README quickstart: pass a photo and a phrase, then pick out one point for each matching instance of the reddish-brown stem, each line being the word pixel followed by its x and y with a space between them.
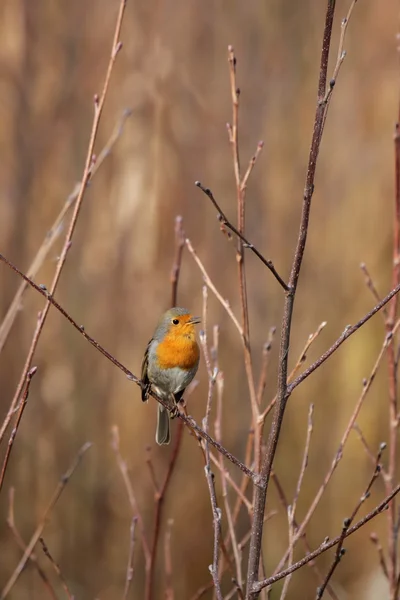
pixel 246 244
pixel 392 378
pixel 282 392
pixel 14 432
pixel 57 569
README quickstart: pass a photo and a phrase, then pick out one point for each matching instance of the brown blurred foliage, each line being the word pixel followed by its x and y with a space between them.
pixel 173 73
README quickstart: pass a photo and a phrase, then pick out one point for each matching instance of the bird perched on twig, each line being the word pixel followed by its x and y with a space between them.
pixel 170 363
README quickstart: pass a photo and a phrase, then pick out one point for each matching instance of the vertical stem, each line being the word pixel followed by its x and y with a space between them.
pixel 282 393
pixel 392 373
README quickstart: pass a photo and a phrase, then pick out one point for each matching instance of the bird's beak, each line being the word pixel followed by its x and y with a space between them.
pixel 194 320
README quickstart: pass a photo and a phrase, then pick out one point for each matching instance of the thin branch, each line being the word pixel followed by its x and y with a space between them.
pixel 291 511
pixel 22 545
pixel 393 531
pixel 340 551
pixel 246 244
pixel 129 569
pixel 348 332
pixel 300 361
pixel 45 517
pixel 375 540
pixel 57 569
pixel 188 420
pixel 282 393
pixel 231 526
pixel 327 544
pixel 217 516
pixel 339 454
pixel 212 287
pixel 307 547
pixel 98 108
pixel 123 467
pixel 371 286
pixel 14 432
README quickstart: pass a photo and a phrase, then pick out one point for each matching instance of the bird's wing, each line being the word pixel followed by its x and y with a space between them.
pixel 144 376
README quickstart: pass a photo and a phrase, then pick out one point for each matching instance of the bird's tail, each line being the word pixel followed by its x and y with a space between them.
pixel 162 431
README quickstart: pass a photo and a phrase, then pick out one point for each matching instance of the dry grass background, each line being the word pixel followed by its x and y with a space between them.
pixel 173 74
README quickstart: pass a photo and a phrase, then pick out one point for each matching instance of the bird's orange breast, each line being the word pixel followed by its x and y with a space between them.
pixel 178 351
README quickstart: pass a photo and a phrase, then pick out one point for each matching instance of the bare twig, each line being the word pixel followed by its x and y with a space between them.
pixel 371 286
pixel 123 467
pixel 292 509
pixel 22 545
pixel 231 526
pixel 339 454
pixel 327 544
pixel 246 244
pixel 340 551
pixel 129 569
pixel 217 516
pixel 57 569
pixel 212 287
pixel 98 109
pixel 282 393
pixel 348 331
pixel 14 432
pixel 375 540
pixel 393 531
pixel 41 525
pixel 300 361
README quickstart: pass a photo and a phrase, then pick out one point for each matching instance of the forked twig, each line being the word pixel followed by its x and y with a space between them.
pixel 246 244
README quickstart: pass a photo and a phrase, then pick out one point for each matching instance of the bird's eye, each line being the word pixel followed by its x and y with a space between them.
pixel 175 321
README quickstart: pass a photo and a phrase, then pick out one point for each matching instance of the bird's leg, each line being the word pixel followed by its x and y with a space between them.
pixel 173 410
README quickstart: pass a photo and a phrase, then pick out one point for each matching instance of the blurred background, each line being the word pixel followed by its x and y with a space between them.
pixel 173 73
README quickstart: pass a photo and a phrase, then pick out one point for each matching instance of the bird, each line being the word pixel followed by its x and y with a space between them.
pixel 170 363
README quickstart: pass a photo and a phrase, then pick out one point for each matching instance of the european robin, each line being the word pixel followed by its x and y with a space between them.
pixel 170 363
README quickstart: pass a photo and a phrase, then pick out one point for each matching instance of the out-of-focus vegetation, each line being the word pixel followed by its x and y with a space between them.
pixel 173 74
